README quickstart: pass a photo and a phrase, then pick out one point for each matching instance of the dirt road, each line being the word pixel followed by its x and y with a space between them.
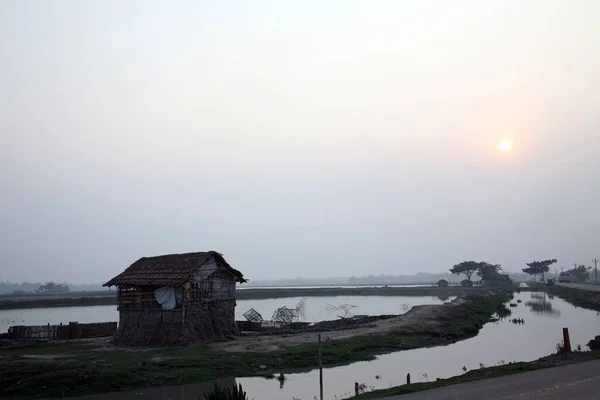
pixel 574 382
pixel 581 286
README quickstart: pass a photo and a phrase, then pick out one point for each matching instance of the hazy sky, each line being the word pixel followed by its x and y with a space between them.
pixel 298 138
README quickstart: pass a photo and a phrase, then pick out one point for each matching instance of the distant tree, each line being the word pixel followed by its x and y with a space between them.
pixel 535 268
pixel 487 267
pixel 468 268
pixel 582 273
pixel 52 287
pixel 7 287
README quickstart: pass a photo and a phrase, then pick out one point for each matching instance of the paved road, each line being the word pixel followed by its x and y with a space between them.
pixel 573 382
pixel 582 286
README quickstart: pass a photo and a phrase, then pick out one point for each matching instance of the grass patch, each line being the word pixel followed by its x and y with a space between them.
pixel 50 348
pixel 86 372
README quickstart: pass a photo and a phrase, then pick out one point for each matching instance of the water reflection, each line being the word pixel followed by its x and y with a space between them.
pixel 542 304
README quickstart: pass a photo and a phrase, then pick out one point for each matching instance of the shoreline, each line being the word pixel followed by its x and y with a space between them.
pixel 256 294
pixel 578 297
pixel 550 361
pixel 83 366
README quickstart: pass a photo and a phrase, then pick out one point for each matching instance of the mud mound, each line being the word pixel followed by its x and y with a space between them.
pixel 347 323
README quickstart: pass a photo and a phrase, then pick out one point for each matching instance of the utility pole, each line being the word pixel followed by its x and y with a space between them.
pixel 595 261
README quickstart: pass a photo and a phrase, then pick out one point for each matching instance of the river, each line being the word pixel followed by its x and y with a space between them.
pixel 499 342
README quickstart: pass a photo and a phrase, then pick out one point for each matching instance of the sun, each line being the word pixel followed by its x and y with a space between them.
pixel 505 145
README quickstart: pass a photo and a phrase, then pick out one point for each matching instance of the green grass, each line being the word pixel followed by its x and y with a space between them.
pixel 50 348
pixel 87 371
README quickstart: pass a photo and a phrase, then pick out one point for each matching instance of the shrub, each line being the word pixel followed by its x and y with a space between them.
pixel 226 393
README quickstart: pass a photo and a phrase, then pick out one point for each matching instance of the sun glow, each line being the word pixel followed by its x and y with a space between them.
pixel 505 145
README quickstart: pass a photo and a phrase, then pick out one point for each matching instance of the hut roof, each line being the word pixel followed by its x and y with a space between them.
pixel 491 275
pixel 169 270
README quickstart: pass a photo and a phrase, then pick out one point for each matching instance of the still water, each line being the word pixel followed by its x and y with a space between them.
pixel 496 343
pixel 315 309
pixel 245 286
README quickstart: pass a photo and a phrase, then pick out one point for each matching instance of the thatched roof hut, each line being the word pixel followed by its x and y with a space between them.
pixel 493 278
pixel 177 298
pixel 466 283
pixel 171 269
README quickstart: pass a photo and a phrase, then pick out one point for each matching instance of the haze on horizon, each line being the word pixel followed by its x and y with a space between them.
pixel 307 138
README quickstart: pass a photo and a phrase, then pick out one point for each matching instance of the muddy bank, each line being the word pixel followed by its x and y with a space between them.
pixel 250 328
pixel 458 319
pixel 95 366
pixel 6 303
pixel 577 297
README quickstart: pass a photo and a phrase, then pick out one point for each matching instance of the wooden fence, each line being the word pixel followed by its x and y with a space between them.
pixel 73 330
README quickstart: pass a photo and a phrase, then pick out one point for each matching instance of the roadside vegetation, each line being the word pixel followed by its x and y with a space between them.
pixel 554 360
pixel 577 297
pixel 235 392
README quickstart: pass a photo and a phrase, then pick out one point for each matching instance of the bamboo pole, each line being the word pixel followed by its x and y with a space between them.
pixel 320 368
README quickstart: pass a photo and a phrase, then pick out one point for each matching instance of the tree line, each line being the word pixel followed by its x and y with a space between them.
pixel 534 268
pixel 468 268
pixel 53 287
pixel 37 287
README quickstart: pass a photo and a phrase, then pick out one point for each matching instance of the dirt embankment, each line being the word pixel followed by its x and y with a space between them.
pixel 577 297
pixel 429 319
